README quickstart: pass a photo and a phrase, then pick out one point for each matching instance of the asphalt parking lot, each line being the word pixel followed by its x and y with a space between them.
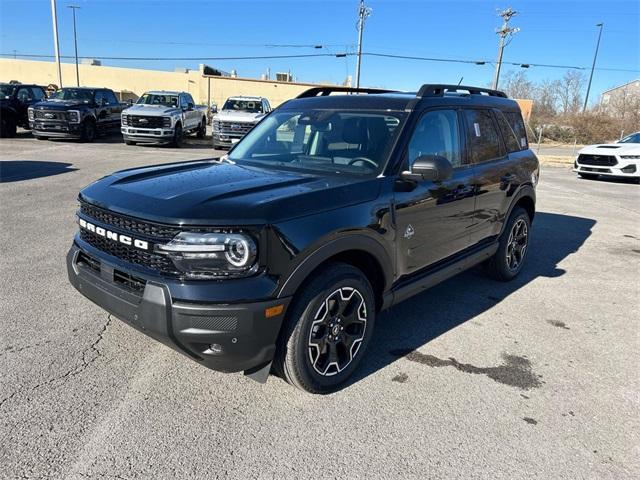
pixel 537 378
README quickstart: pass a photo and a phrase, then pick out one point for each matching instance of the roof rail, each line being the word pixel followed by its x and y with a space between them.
pixel 327 90
pixel 428 90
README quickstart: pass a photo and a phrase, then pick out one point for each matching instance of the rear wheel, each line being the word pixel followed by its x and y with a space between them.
pixel 507 262
pixel 327 329
pixel 88 131
pixel 8 128
pixel 588 176
pixel 202 128
pixel 177 136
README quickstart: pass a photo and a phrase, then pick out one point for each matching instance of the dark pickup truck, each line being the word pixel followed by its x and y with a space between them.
pixel 280 254
pixel 15 99
pixel 81 113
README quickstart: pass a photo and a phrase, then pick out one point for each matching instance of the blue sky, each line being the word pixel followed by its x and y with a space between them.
pixel 552 32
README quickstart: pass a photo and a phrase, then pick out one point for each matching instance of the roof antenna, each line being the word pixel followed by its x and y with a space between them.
pixel 460 81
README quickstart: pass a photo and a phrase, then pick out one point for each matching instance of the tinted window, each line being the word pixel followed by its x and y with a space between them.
pixel 110 97
pixel 24 94
pixel 189 99
pixel 437 133
pixel 483 139
pixel 38 93
pixel 153 99
pixel 517 125
pixel 508 135
pixel 633 138
pixel 99 97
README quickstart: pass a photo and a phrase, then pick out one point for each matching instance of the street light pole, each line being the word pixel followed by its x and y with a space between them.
pixel 75 41
pixel 56 46
pixel 595 56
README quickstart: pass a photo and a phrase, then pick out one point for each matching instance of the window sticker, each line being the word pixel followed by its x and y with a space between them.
pixel 476 127
pixel 523 142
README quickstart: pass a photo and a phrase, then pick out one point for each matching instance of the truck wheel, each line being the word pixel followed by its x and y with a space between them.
pixel 129 142
pixel 8 128
pixel 507 262
pixel 40 138
pixel 327 329
pixel 588 176
pixel 88 131
pixel 177 136
pixel 202 128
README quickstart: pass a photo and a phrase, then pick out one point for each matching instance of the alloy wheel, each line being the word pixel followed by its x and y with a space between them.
pixel 517 244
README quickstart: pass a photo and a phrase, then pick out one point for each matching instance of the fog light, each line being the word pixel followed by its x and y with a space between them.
pixel 629 169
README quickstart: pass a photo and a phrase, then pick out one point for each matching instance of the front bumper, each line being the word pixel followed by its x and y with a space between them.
pixel 56 130
pixel 147 135
pixel 223 337
pixel 623 168
pixel 226 139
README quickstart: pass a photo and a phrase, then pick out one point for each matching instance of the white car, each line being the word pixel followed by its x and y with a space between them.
pixel 620 159
pixel 237 117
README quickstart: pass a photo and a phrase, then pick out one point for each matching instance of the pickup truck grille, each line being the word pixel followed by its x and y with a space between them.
pixel 231 128
pixel 50 115
pixel 600 160
pixel 142 121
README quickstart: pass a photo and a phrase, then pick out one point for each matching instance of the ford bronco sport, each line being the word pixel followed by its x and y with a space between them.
pixel 278 255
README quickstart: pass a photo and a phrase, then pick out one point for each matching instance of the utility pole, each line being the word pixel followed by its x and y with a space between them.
pixel 595 56
pixel 56 46
pixel 75 41
pixel 503 32
pixel 363 14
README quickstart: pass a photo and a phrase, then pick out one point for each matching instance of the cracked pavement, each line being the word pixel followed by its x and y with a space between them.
pixel 473 379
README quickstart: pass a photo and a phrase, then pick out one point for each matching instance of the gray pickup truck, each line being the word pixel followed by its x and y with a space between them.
pixel 237 117
pixel 163 117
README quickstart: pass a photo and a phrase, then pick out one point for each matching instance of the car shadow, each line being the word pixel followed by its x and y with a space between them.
pixel 17 170
pixel 415 322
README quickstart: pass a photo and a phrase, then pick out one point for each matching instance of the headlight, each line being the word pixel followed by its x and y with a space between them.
pixel 123 120
pixel 32 115
pixel 166 122
pixel 73 116
pixel 210 255
pixel 215 125
pixel 630 157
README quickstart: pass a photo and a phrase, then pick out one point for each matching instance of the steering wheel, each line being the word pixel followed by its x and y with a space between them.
pixel 365 160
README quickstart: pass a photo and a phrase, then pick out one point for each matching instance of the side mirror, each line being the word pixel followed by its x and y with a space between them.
pixel 430 167
pixel 190 106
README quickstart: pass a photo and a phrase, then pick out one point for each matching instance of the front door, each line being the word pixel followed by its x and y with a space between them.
pixel 433 218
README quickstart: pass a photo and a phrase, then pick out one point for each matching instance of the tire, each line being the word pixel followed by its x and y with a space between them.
pixel 588 176
pixel 177 136
pixel 202 128
pixel 88 131
pixel 513 247
pixel 8 129
pixel 129 142
pixel 40 138
pixel 327 330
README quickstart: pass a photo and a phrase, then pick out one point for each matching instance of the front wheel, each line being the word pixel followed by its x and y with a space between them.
pixel 507 262
pixel 327 329
pixel 88 131
pixel 129 142
pixel 177 136
pixel 202 128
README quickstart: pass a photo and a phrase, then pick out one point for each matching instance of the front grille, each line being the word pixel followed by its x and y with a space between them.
pixel 141 121
pixel 50 115
pixel 600 160
pixel 152 261
pixel 156 231
pixel 231 128
pixel 129 281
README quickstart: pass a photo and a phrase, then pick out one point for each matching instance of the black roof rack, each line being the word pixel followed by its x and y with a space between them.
pixel 327 90
pixel 428 90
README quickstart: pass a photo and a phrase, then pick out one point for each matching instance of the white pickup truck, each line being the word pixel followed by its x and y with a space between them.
pixel 237 117
pixel 163 117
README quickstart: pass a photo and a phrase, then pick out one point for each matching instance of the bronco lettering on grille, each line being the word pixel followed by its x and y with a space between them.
pixel 116 237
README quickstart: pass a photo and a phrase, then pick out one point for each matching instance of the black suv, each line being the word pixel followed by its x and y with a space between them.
pixel 80 113
pixel 15 99
pixel 280 254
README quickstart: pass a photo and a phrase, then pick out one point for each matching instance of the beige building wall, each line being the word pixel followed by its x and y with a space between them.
pixel 139 81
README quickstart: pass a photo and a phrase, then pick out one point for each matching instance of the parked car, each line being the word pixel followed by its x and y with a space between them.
pixel 15 99
pixel 281 253
pixel 76 112
pixel 163 117
pixel 237 117
pixel 620 159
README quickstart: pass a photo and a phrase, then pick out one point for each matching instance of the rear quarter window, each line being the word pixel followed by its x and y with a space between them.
pixel 517 125
pixel 510 138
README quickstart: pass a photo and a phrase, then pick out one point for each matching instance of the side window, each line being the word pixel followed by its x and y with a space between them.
pixel 99 97
pixel 517 124
pixel 482 137
pixel 183 101
pixel 38 94
pixel 189 99
pixel 508 135
pixel 111 98
pixel 437 133
pixel 24 94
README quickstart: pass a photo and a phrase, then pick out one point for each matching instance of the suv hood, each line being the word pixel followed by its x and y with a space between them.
pixel 238 116
pixel 612 149
pixel 150 110
pixel 59 104
pixel 223 194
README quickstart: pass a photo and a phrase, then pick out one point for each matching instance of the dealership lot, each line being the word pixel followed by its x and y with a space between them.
pixel 532 379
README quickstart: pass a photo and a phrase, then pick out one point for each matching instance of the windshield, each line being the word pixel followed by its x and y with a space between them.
pixel 155 99
pixel 633 138
pixel 6 91
pixel 78 94
pixel 251 106
pixel 356 142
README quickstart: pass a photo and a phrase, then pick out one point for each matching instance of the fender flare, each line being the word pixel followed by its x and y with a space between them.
pixel 329 249
pixel 525 191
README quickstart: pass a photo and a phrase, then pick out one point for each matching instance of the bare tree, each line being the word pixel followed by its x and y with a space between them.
pixel 545 98
pixel 517 85
pixel 569 89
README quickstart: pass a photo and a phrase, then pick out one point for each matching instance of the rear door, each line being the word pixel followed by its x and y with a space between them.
pixel 103 113
pixel 433 218
pixel 114 109
pixel 496 172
